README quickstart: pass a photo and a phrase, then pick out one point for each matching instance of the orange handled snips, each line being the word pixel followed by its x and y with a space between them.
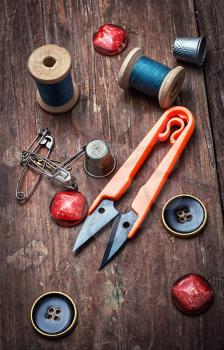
pixel 126 225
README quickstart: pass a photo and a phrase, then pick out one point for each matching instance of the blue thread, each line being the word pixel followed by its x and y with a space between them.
pixel 56 94
pixel 147 76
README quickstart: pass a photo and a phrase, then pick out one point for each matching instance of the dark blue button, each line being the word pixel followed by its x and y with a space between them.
pixel 184 216
pixel 53 314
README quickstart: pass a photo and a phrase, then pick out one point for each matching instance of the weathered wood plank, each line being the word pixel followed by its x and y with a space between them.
pixel 210 23
pixel 127 305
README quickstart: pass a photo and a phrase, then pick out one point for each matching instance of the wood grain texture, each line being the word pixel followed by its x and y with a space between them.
pixel 127 305
pixel 210 24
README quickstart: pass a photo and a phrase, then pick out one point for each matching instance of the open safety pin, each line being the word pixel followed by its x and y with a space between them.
pixel 43 139
pixel 126 224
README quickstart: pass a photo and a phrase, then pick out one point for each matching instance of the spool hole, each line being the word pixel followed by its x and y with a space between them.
pixel 101 210
pixel 49 61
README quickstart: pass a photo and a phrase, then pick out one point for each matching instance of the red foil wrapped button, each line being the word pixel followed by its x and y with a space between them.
pixel 110 39
pixel 192 294
pixel 68 208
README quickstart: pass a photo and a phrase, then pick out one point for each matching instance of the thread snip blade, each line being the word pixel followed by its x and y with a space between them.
pixel 122 225
pixel 102 215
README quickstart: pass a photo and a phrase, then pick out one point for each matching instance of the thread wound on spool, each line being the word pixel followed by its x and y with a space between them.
pixel 52 94
pixel 147 76
pixel 151 77
pixel 50 66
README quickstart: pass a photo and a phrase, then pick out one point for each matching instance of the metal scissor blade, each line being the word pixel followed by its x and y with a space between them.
pixel 101 216
pixel 119 234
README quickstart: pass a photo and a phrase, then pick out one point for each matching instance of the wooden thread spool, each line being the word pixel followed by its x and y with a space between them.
pixel 170 86
pixel 50 66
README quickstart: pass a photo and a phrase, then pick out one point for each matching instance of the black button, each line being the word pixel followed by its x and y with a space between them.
pixel 53 314
pixel 184 216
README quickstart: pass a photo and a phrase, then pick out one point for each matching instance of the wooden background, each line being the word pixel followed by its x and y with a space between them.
pixel 127 305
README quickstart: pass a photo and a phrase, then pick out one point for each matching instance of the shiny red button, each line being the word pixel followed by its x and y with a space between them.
pixel 192 294
pixel 110 39
pixel 68 208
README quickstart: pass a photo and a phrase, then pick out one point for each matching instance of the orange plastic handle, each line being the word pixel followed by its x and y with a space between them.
pixel 121 181
pixel 148 192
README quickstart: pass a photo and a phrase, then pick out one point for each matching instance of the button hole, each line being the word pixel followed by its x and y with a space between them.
pixel 182 219
pixel 189 217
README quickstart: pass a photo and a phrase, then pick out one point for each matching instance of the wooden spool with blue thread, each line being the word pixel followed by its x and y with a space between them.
pixel 50 66
pixel 166 89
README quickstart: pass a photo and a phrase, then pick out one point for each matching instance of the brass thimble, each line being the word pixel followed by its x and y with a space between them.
pixel 99 162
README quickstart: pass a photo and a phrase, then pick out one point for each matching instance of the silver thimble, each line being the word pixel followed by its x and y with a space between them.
pixel 191 50
pixel 99 161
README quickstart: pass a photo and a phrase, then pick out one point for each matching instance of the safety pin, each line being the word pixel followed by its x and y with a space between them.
pixel 43 139
pixel 38 161
pixel 63 176
pixel 70 160
pixel 53 170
